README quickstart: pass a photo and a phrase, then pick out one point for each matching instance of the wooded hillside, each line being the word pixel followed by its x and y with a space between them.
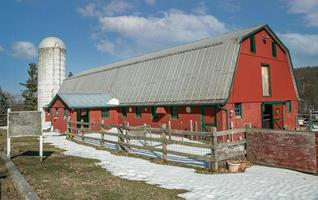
pixel 307 82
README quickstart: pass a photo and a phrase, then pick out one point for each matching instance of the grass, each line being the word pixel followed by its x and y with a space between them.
pixel 67 177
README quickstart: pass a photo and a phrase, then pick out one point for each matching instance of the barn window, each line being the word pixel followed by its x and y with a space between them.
pixel 124 111
pixel 64 113
pixel 105 113
pixel 274 49
pixel 56 112
pixel 289 106
pixel 238 110
pixel 174 112
pixel 153 112
pixel 252 44
pixel 266 85
pixel 138 112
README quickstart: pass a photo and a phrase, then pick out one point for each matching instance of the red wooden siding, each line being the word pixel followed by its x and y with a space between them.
pixel 59 123
pixel 247 83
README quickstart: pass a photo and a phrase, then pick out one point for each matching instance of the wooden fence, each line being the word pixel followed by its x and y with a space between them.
pixel 165 141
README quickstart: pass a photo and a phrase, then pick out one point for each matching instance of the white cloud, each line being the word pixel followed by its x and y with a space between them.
pixel 303 48
pixel 150 2
pixel 99 10
pixel 149 33
pixel 308 8
pixel 116 7
pixel 1 49
pixel 23 49
pixel 106 46
pixel 88 11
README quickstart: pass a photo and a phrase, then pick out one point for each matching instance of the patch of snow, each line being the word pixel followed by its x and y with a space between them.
pixel 113 101
pixel 258 182
pixel 46 125
pixel 143 152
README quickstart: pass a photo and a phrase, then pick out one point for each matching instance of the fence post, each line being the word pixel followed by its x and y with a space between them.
pixel 191 129
pixel 41 146
pixel 102 139
pixel 127 137
pixel 145 135
pixel 82 129
pixel 169 127
pixel 68 125
pixel 214 165
pixel 102 134
pixel 120 138
pixel 8 136
pixel 164 145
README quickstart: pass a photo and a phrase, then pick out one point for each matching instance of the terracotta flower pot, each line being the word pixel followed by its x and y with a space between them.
pixel 243 165
pixel 233 166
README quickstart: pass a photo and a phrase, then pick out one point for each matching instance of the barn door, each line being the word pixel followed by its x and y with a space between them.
pixel 208 118
pixel 278 119
pixel 82 114
pixel 267 116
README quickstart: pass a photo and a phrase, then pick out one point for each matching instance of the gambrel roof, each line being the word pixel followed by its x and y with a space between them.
pixel 196 73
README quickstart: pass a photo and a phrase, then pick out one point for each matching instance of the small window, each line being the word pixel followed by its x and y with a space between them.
pixel 252 44
pixel 153 112
pixel 105 113
pixel 289 106
pixel 138 112
pixel 174 112
pixel 56 112
pixel 274 49
pixel 238 110
pixel 64 113
pixel 124 111
pixel 266 84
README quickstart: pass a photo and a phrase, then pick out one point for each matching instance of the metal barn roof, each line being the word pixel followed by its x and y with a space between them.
pixel 85 100
pixel 197 73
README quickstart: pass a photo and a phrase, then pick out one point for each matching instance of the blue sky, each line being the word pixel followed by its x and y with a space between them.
pixel 99 32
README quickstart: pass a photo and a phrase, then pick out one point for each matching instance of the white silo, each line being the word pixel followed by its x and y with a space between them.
pixel 51 70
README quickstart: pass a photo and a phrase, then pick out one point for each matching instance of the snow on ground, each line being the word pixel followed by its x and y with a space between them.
pixel 143 152
pixel 156 154
pixel 258 182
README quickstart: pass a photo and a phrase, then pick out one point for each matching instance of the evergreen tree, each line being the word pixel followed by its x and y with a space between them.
pixel 31 87
pixel 70 74
pixel 4 105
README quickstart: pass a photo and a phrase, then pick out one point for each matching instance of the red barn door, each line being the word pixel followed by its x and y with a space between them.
pixel 278 118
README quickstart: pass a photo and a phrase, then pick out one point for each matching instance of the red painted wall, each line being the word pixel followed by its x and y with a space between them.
pixel 247 84
pixel 183 122
pixel 59 123
pixel 95 116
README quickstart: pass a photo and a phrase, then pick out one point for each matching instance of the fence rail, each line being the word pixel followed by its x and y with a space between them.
pixel 210 148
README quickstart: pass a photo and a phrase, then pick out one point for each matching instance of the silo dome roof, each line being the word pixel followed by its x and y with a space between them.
pixel 50 42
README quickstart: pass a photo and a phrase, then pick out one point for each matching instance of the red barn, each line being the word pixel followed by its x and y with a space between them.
pixel 224 82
